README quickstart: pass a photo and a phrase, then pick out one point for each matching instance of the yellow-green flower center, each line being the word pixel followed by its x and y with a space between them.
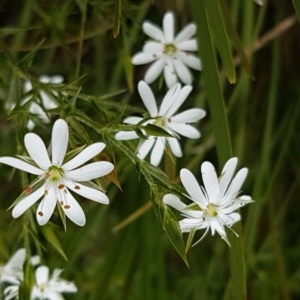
pixel 169 49
pixel 211 210
pixel 54 173
pixel 159 121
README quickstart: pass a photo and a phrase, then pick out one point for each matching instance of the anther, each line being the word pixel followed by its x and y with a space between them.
pixel 40 213
pixel 67 206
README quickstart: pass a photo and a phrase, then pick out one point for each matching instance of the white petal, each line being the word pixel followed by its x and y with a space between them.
pixel 142 58
pixel 183 94
pixel 84 156
pixel 169 74
pixel 21 165
pixel 73 210
pixel 168 27
pixel 185 130
pixel 17 260
pixel 42 275
pixel 186 33
pixel 174 201
pixel 91 171
pixel 192 187
pixel 190 45
pixel 153 48
pixel 182 71
pixel 87 192
pixel 37 150
pixel 154 70
pixel 236 184
pixel 126 135
pixel 169 99
pixel 190 60
pixel 211 182
pixel 189 116
pixel 148 98
pixel 47 206
pixel 227 173
pixel 60 138
pixel 158 151
pixel 145 147
pixel 153 31
pixel 186 225
pixel 215 226
pixel 27 201
pixel 132 120
pixel 175 146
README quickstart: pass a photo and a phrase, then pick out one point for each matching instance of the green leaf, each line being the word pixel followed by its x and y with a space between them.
pixel 117 18
pixel 51 237
pixel 218 28
pixel 297 8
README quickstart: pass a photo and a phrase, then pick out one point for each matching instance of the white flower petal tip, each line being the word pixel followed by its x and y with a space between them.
pixel 56 178
pixel 214 206
pixel 168 53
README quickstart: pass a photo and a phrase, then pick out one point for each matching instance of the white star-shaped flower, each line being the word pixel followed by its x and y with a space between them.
pixel 46 101
pixel 57 178
pixel 215 205
pixel 50 288
pixel 168 53
pixel 12 271
pixel 165 118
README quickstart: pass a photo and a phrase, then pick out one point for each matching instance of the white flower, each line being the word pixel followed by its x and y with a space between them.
pixel 214 205
pixel 46 101
pixel 57 177
pixel 12 271
pixel 165 118
pixel 169 53
pixel 50 288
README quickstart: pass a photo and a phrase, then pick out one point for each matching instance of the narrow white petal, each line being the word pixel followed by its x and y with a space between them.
pixel 126 135
pixel 211 182
pixel 174 201
pixel 184 92
pixel 168 27
pixel 27 202
pixel 216 226
pixel 190 60
pixel 153 31
pixel 37 150
pixel 169 74
pixel 87 192
pixel 132 120
pixel 175 146
pixel 227 173
pixel 154 70
pixel 185 130
pixel 91 171
pixel 42 275
pixel 148 98
pixel 189 116
pixel 73 210
pixel 158 151
pixel 17 260
pixel 236 184
pixel 142 58
pixel 169 99
pixel 182 71
pixel 46 206
pixel 192 187
pixel 84 156
pixel 153 48
pixel 60 138
pixel 186 225
pixel 186 33
pixel 145 147
pixel 21 165
pixel 190 45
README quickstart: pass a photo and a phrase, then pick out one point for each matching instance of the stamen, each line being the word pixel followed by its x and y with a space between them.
pixel 61 186
pixel 40 213
pixel 77 187
pixel 27 190
pixel 67 206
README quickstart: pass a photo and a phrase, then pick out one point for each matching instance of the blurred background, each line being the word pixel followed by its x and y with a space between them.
pixel 123 252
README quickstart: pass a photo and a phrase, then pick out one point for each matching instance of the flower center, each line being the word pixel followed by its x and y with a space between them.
pixel 169 49
pixel 211 210
pixel 159 121
pixel 54 173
